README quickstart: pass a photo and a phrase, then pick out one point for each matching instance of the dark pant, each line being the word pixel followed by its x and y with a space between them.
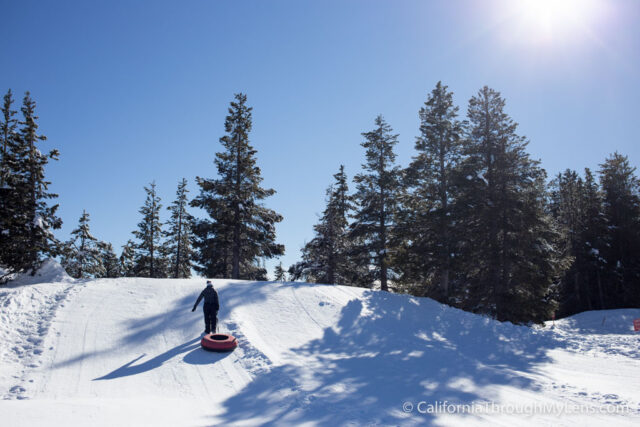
pixel 210 318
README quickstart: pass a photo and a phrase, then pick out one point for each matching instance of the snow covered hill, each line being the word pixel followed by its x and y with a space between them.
pixel 126 352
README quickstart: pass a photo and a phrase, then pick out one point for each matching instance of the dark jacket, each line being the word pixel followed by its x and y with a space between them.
pixel 210 298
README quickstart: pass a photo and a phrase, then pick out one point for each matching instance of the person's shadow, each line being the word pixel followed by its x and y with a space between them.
pixel 197 356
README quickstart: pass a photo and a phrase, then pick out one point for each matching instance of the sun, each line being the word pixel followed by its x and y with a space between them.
pixel 551 19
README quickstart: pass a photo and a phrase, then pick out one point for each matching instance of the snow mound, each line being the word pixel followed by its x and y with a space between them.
pixel 618 321
pixel 49 272
pixel 599 333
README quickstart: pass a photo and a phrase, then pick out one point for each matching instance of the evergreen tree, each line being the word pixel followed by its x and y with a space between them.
pixel 212 243
pixel 298 271
pixel 8 126
pixel 110 262
pixel 326 258
pixel 566 200
pixel 279 273
pixel 576 204
pixel 376 196
pixel 621 191
pixel 428 211
pixel 510 245
pixel 596 240
pixel 127 259
pixel 240 230
pixel 82 256
pixel 178 243
pixel 149 261
pixel 27 220
pixel 8 200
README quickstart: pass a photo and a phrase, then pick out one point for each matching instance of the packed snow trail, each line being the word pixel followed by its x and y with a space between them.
pixel 127 352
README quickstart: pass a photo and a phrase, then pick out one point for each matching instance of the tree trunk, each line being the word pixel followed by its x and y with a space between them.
pixel 600 293
pixel 179 242
pixel 444 283
pixel 383 252
pixel 383 233
pixel 235 269
pixel 331 259
pixel 81 272
pixel 32 185
pixel 151 248
pixel 587 290
pixel 5 140
pixel 576 289
pixel 331 270
pixel 446 259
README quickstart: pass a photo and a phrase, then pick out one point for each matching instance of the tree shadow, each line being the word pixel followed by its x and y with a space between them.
pixel 178 316
pixel 389 349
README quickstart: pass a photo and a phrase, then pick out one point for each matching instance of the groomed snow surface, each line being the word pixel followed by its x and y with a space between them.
pixel 117 352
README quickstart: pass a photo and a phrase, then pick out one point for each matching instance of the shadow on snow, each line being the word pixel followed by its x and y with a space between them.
pixel 179 319
pixel 389 349
pixel 196 356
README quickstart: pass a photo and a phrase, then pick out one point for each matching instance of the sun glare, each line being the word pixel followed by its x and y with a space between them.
pixel 551 19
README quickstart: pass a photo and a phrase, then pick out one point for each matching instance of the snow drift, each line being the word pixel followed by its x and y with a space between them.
pixel 127 351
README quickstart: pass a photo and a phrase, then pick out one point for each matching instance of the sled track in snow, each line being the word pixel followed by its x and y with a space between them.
pixel 302 306
pixel 246 354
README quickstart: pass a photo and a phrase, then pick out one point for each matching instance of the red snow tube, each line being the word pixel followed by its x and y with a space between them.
pixel 219 342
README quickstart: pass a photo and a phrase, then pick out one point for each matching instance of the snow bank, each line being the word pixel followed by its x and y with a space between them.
pixel 28 305
pixel 49 272
pixel 618 321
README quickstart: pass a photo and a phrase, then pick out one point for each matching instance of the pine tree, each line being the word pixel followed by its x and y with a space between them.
pixel 240 230
pixel 27 218
pixel 326 258
pixel 8 201
pixel 566 199
pixel 127 259
pixel 110 262
pixel 576 204
pixel 83 258
pixel 279 273
pixel 179 235
pixel 621 190
pixel 149 261
pixel 8 126
pixel 510 245
pixel 428 211
pixel 377 198
pixel 596 239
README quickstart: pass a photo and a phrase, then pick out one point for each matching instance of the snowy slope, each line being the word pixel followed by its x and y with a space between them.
pixel 126 352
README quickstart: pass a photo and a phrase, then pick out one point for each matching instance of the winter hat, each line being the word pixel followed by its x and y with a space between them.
pixel 209 283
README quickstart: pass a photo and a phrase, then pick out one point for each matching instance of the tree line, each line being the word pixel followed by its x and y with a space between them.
pixel 473 222
pixel 237 233
pixel 26 218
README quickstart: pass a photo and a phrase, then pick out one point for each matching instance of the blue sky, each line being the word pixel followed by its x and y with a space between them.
pixel 135 91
